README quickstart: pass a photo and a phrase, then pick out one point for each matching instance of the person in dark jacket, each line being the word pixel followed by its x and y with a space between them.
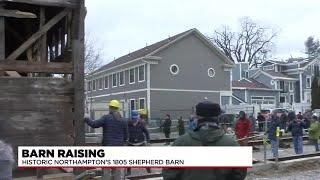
pixel 207 133
pixel 273 124
pixel 167 127
pixel 180 126
pixel 291 116
pixel 261 121
pixel 299 116
pixel 283 121
pixel 115 132
pixel 242 129
pixel 296 128
pixel 138 134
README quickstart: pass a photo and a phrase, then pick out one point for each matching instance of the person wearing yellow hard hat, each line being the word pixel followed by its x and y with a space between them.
pixel 115 132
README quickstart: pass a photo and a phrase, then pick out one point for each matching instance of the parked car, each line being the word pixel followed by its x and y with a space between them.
pixel 280 111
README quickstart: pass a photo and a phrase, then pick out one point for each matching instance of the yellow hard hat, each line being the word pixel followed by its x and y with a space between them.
pixel 142 111
pixel 114 103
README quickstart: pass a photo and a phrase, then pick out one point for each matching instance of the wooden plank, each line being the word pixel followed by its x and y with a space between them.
pixel 60 3
pixel 37 35
pixel 39 102
pixel 27 66
pixel 37 85
pixel 13 73
pixel 43 40
pixel 18 124
pixel 2 41
pixel 16 14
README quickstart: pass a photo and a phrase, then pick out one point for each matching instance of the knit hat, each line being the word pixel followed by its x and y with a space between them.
pixel 208 109
pixel 134 115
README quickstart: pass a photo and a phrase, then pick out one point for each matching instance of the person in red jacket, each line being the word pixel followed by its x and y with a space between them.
pixel 242 129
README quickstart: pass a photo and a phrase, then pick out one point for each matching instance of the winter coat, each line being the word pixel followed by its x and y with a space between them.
pixel 261 118
pixel 296 128
pixel 242 128
pixel 115 132
pixel 138 133
pixel 166 125
pixel 273 123
pixel 180 127
pixel 212 136
pixel 314 130
pixel 291 116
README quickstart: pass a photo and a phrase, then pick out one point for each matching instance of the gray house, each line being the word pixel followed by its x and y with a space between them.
pixel 286 83
pixel 170 76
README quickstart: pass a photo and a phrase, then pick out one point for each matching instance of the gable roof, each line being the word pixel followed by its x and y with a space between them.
pixel 273 75
pixel 158 46
pixel 249 83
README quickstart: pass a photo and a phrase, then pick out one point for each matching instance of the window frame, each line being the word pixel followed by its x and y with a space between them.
pixel 134 100
pixel 308 85
pixel 134 75
pixel 106 77
pixel 124 79
pixel 144 73
pixel 94 85
pixel 100 82
pixel 144 103
pixel 116 80
pixel 178 69
pixel 291 85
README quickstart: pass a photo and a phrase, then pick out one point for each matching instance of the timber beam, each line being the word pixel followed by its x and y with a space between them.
pixel 32 67
pixel 44 29
pixel 16 14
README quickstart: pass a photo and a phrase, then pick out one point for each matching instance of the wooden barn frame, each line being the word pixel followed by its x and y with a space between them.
pixel 42 72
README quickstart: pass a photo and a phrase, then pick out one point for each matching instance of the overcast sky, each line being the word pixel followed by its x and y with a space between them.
pixel 123 26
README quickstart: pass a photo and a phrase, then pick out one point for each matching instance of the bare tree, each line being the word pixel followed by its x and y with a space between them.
pixel 93 55
pixel 251 44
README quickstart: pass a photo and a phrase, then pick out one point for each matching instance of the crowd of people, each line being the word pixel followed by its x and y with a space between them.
pixel 203 129
pixel 275 124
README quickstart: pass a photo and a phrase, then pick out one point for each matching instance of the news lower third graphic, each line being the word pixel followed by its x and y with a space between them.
pixel 161 157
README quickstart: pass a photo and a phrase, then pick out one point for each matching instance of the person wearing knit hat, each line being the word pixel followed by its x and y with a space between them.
pixel 207 133
pixel 138 134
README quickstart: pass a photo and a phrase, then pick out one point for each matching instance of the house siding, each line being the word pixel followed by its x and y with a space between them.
pixel 265 80
pixel 177 103
pixel 125 87
pixel 193 59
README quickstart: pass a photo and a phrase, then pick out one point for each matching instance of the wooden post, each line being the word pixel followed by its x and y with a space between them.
pixel 78 75
pixel 2 40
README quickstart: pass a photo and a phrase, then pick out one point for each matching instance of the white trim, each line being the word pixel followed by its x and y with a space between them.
pixel 240 71
pixel 262 89
pixel 117 93
pixel 148 89
pixel 174 73
pixel 99 72
pixel 214 72
pixel 184 90
pixel 134 75
pixel 116 74
pixel 144 73
pixel 246 96
pixel 300 76
pixel 124 78
pixel 107 76
pixel 226 93
pixel 144 105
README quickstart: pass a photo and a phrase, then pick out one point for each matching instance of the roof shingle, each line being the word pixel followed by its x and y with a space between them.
pixel 249 84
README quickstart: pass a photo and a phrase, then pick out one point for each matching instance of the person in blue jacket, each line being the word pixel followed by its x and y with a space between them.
pixel 138 134
pixel 115 133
